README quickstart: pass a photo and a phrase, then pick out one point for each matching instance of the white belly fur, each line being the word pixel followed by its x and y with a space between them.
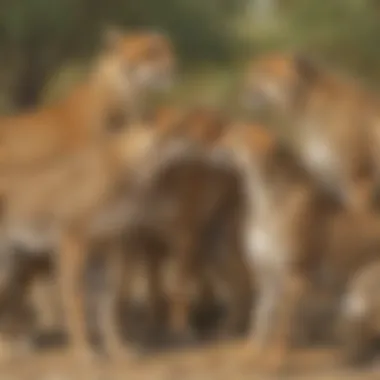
pixel 263 233
pixel 320 157
pixel 265 244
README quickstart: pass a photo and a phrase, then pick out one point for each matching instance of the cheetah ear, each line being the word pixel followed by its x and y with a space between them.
pixel 306 68
pixel 111 38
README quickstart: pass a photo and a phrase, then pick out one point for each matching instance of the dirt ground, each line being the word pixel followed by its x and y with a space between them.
pixel 212 362
pixel 203 361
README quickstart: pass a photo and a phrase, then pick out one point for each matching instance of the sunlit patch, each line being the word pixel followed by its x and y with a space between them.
pixel 319 154
pixel 355 306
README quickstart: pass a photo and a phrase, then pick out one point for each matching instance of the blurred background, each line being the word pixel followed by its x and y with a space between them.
pixel 45 45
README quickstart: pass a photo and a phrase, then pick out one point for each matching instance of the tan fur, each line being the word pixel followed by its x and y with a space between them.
pixel 209 120
pixel 328 119
pixel 360 314
pixel 17 311
pixel 193 211
pixel 194 194
pixel 46 143
pixel 65 207
pixel 200 124
pixel 352 242
pixel 27 206
pixel 126 67
pixel 282 233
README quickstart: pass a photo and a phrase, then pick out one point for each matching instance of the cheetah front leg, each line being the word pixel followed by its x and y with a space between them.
pixel 293 288
pixel 279 294
pixel 182 290
pixel 117 276
pixel 72 257
pixel 269 293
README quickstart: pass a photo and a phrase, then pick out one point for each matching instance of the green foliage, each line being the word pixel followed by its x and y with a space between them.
pixel 198 27
pixel 343 31
pixel 38 36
